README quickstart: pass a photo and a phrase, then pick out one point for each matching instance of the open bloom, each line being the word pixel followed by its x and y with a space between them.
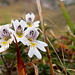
pixel 35 44
pixel 19 32
pixel 30 20
pixel 6 37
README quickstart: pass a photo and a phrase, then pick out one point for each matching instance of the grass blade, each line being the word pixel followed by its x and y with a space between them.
pixel 66 16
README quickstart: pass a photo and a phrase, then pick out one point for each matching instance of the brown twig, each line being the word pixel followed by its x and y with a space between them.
pixel 63 60
pixel 20 62
pixel 64 69
pixel 43 29
pixel 35 67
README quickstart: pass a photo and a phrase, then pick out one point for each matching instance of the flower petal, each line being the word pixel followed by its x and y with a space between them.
pixel 1 40
pixel 2 49
pixel 11 40
pixel 30 53
pixel 8 25
pixel 25 41
pixel 6 46
pixel 36 24
pixel 37 53
pixel 23 24
pixel 32 16
pixel 18 39
pixel 27 31
pixel 41 45
pixel 15 23
pixel 34 51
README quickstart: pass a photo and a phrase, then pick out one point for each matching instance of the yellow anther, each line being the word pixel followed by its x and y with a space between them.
pixel 33 44
pixel 20 36
pixel 29 25
pixel 30 39
pixel 5 42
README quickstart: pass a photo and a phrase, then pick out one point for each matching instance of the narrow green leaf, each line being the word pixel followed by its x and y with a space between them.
pixel 66 16
pixel 1 63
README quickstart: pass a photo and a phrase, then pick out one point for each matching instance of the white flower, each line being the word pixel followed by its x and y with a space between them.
pixel 30 20
pixel 6 37
pixel 32 33
pixel 35 44
pixel 19 32
pixel 8 25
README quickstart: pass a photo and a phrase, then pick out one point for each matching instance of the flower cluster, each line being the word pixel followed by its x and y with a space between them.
pixel 25 31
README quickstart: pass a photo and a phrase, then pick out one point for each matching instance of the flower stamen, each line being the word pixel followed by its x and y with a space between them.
pixel 19 31
pixel 7 38
pixel 4 31
pixel 29 25
pixel 33 44
pixel 30 39
pixel 5 42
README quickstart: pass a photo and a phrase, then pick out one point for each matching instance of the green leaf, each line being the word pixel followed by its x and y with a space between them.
pixel 66 16
pixel 1 63
pixel 9 56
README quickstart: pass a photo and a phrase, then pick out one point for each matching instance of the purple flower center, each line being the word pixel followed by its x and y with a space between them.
pixel 5 34
pixel 5 31
pixel 29 20
pixel 19 30
pixel 19 27
pixel 32 33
